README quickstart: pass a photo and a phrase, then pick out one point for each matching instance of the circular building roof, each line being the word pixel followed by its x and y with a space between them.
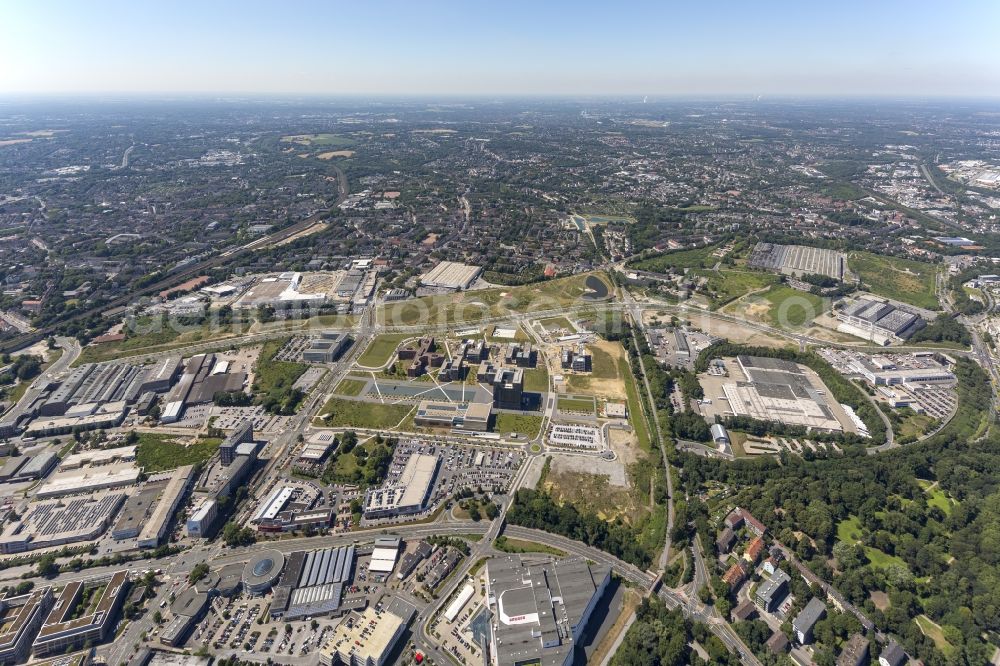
pixel 263 567
pixel 262 571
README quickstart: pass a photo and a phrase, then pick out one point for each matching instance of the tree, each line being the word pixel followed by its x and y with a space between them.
pixel 47 567
pixel 234 535
pixel 199 571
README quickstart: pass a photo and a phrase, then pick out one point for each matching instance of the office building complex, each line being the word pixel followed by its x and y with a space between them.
pixel 64 630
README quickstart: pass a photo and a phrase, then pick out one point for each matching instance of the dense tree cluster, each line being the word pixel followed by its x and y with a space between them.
pixel 22 367
pixel 948 565
pixel 662 636
pixel 943 329
pixel 372 460
pixel 537 509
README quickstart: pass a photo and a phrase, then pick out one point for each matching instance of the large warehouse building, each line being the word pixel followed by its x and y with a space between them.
pixel 57 522
pixel 878 321
pixel 777 390
pixel 798 260
pixel 450 275
pixel 540 611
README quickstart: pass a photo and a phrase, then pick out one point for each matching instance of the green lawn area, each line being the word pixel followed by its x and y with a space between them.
pixel 535 379
pixel 350 387
pixel 845 191
pixel 635 414
pixel 555 323
pixel 509 545
pixel 940 499
pixel 273 380
pixel 161 336
pixel 381 349
pixel 17 391
pixel 341 413
pixel 915 425
pixel 894 277
pixel 726 285
pixel 472 306
pixel 602 366
pixel 157 453
pixel 935 633
pixel 576 403
pixel 850 531
pixel 700 257
pixel 881 560
pixel 344 466
pixel 527 425
pixel 791 307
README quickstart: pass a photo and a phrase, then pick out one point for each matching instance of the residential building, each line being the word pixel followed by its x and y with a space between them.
pixel 807 618
pixel 855 652
pixel 771 591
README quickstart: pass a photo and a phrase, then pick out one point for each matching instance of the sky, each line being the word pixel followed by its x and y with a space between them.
pixel 914 48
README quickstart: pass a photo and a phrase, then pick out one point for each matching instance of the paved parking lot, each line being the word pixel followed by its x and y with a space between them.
pixel 462 467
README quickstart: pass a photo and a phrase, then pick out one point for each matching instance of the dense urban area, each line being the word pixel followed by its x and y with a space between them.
pixel 499 382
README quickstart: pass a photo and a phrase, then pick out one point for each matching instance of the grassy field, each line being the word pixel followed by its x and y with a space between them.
pixel 527 425
pixel 381 349
pixel 350 387
pixel 340 413
pixel 157 453
pixel 700 257
pixel 636 416
pixel 608 218
pixel 603 367
pixel 791 307
pixel 573 403
pixel 940 499
pixel 935 633
pixel 470 307
pixel 509 545
pixel 724 286
pixel 535 379
pixel 915 425
pixel 845 191
pixel 602 364
pixel 893 277
pixel 555 323
pixel 850 531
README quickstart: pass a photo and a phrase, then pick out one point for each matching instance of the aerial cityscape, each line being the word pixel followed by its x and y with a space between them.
pixel 312 354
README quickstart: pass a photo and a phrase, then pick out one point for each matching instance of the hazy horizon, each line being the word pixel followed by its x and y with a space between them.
pixel 450 49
